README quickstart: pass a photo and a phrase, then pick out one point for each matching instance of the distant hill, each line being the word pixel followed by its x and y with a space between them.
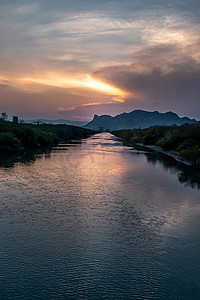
pixel 136 119
pixel 55 122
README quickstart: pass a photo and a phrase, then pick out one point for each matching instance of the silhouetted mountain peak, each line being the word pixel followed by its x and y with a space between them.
pixel 136 119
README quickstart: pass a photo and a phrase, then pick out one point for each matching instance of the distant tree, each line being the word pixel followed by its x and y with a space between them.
pixel 4 116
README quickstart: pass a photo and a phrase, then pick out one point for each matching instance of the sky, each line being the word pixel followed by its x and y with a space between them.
pixel 71 59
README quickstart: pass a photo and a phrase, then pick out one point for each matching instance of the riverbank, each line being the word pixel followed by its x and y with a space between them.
pixel 180 142
pixel 16 137
pixel 173 154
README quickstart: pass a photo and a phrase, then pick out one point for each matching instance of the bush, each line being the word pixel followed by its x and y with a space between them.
pixel 8 142
pixel 170 141
pixel 191 132
pixel 45 138
pixel 135 139
pixel 192 154
pixel 188 144
pixel 27 137
pixel 148 139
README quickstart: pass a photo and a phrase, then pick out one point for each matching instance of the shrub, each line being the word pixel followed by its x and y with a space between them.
pixel 170 141
pixel 188 144
pixel 135 139
pixel 27 137
pixel 45 138
pixel 8 142
pixel 192 154
pixel 148 139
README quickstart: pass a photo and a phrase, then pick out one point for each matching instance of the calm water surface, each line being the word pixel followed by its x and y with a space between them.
pixel 98 220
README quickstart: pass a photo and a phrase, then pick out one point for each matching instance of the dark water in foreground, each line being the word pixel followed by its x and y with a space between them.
pixel 98 220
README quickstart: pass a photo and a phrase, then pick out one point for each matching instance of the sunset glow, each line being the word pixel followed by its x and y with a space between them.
pixel 63 82
pixel 118 56
pixel 101 86
pixel 87 83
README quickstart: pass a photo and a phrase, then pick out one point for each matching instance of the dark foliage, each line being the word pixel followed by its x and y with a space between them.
pixel 184 139
pixel 14 137
pixel 8 142
pixel 27 137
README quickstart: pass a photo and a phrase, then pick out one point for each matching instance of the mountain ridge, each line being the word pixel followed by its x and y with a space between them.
pixel 136 119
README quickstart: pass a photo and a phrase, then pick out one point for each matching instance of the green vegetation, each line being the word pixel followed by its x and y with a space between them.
pixel 183 139
pixel 8 142
pixel 14 136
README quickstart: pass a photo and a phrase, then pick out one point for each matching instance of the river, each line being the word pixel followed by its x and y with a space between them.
pixel 94 219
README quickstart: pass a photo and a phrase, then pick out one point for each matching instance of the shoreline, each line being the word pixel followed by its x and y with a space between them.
pixel 171 153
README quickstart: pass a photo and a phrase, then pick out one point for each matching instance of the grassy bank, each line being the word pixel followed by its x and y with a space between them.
pixel 184 140
pixel 15 137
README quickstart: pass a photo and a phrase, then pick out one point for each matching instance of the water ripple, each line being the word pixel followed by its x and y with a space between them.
pixel 96 220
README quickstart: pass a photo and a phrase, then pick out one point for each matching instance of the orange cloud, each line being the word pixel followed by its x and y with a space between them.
pixel 92 103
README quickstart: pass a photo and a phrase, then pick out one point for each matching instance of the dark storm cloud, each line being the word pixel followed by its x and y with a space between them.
pixel 164 76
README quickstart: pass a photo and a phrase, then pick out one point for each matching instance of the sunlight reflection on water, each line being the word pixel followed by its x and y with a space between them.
pixel 97 220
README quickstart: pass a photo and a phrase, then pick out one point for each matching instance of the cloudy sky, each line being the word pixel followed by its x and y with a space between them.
pixel 74 58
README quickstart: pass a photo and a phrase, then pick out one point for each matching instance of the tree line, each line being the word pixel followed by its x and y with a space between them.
pixel 183 139
pixel 15 137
